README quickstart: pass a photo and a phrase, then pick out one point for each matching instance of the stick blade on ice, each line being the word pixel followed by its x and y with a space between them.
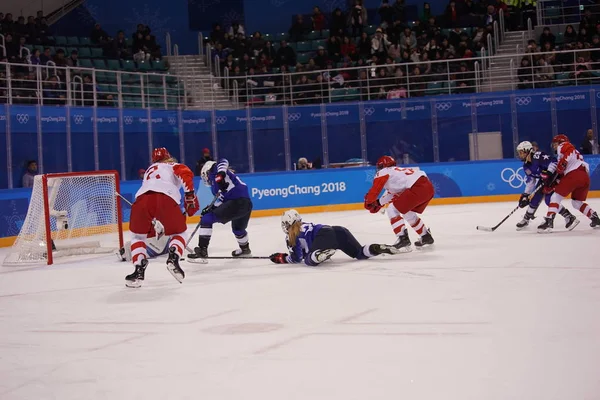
pixel 485 229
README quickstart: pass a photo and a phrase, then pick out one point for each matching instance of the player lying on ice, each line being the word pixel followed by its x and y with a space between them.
pixel 233 205
pixel 570 175
pixel 536 164
pixel 408 192
pixel 314 243
pixel 158 200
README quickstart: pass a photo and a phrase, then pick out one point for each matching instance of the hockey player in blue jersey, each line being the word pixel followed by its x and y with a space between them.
pixel 535 165
pixel 233 205
pixel 313 244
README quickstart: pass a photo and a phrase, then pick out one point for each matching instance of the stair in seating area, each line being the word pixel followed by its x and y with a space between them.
pixel 204 91
pixel 499 77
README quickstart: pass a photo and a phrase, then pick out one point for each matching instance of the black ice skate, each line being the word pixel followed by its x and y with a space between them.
pixel 243 251
pixel 202 250
pixel 524 223
pixel 425 240
pixel 377 249
pixel 570 220
pixel 547 226
pixel 595 221
pixel 403 243
pixel 135 279
pixel 173 265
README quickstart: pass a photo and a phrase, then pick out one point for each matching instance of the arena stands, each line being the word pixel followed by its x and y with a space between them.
pixel 41 68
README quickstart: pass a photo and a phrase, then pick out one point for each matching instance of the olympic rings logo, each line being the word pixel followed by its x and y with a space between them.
pixel 443 106
pixel 78 119
pixel 221 120
pixel 23 118
pixel 514 178
pixel 128 119
pixel 523 101
pixel 369 111
pixel 293 117
pixel 172 120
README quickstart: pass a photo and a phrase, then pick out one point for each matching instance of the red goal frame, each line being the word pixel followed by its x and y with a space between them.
pixel 45 178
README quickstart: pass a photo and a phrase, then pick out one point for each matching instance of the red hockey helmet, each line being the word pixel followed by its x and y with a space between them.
pixel 385 161
pixel 159 154
pixel 558 139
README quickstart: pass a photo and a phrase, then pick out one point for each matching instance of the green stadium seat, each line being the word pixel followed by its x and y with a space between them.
pixel 104 88
pixel 60 40
pixel 129 42
pixel 85 63
pixel 303 58
pixel 85 52
pixel 143 66
pixel 159 65
pixel 325 33
pixel 276 70
pixel 73 41
pixel 352 94
pixel 97 52
pixel 313 35
pixel 338 94
pixel 562 78
pixel 268 37
pixel 99 64
pixel 40 48
pixel 155 78
pixel 128 65
pixel 110 77
pixel 316 43
pixel 434 88
pixel 294 46
pixel 171 79
pixel 85 41
pixel 292 69
pixel 113 65
pixel 371 29
pixel 303 46
pixel 560 38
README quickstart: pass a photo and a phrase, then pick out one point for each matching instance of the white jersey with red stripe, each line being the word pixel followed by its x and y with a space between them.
pixel 394 180
pixel 568 159
pixel 167 178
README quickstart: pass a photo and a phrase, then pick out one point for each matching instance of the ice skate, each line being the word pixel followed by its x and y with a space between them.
pixel 595 221
pixel 324 255
pixel 202 250
pixel 135 279
pixel 547 226
pixel 173 265
pixel 524 223
pixel 377 249
pixel 403 243
pixel 243 251
pixel 425 240
pixel 570 220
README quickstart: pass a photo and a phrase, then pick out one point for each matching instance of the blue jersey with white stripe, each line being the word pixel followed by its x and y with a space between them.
pixel 540 162
pixel 236 189
pixel 300 249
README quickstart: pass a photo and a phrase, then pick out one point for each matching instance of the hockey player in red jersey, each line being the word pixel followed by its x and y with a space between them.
pixel 408 192
pixel 158 200
pixel 570 175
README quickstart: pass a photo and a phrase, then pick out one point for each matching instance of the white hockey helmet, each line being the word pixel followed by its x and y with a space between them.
pixel 525 147
pixel 289 218
pixel 205 171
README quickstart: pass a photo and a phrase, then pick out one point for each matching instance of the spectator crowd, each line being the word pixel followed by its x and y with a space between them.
pixel 399 58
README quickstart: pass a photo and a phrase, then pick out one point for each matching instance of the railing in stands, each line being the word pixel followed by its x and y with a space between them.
pixel 200 44
pixel 529 29
pixel 168 44
pixel 502 24
pixel 552 12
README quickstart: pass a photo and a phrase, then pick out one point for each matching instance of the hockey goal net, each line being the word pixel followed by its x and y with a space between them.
pixel 69 214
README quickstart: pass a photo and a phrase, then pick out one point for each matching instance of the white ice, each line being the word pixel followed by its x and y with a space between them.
pixel 502 315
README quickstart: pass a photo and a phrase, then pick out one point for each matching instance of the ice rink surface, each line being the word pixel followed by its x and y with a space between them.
pixel 502 315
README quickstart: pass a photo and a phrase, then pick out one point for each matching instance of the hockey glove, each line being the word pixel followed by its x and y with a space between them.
pixel 524 200
pixel 207 209
pixel 374 207
pixel 549 180
pixel 221 181
pixel 279 258
pixel 191 203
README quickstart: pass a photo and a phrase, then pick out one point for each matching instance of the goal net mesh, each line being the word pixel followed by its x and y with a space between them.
pixel 83 218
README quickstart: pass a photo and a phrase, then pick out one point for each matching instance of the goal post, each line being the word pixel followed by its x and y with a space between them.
pixel 75 213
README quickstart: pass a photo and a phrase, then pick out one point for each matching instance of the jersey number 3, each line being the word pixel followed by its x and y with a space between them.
pixel 151 172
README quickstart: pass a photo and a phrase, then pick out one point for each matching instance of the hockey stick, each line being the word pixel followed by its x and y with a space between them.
pixel 492 229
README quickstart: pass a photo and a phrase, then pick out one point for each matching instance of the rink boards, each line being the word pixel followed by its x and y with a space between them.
pixel 331 189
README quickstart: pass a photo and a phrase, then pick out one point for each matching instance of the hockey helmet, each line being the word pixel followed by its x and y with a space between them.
pixel 524 147
pixel 204 174
pixel 159 154
pixel 385 161
pixel 289 218
pixel 558 139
